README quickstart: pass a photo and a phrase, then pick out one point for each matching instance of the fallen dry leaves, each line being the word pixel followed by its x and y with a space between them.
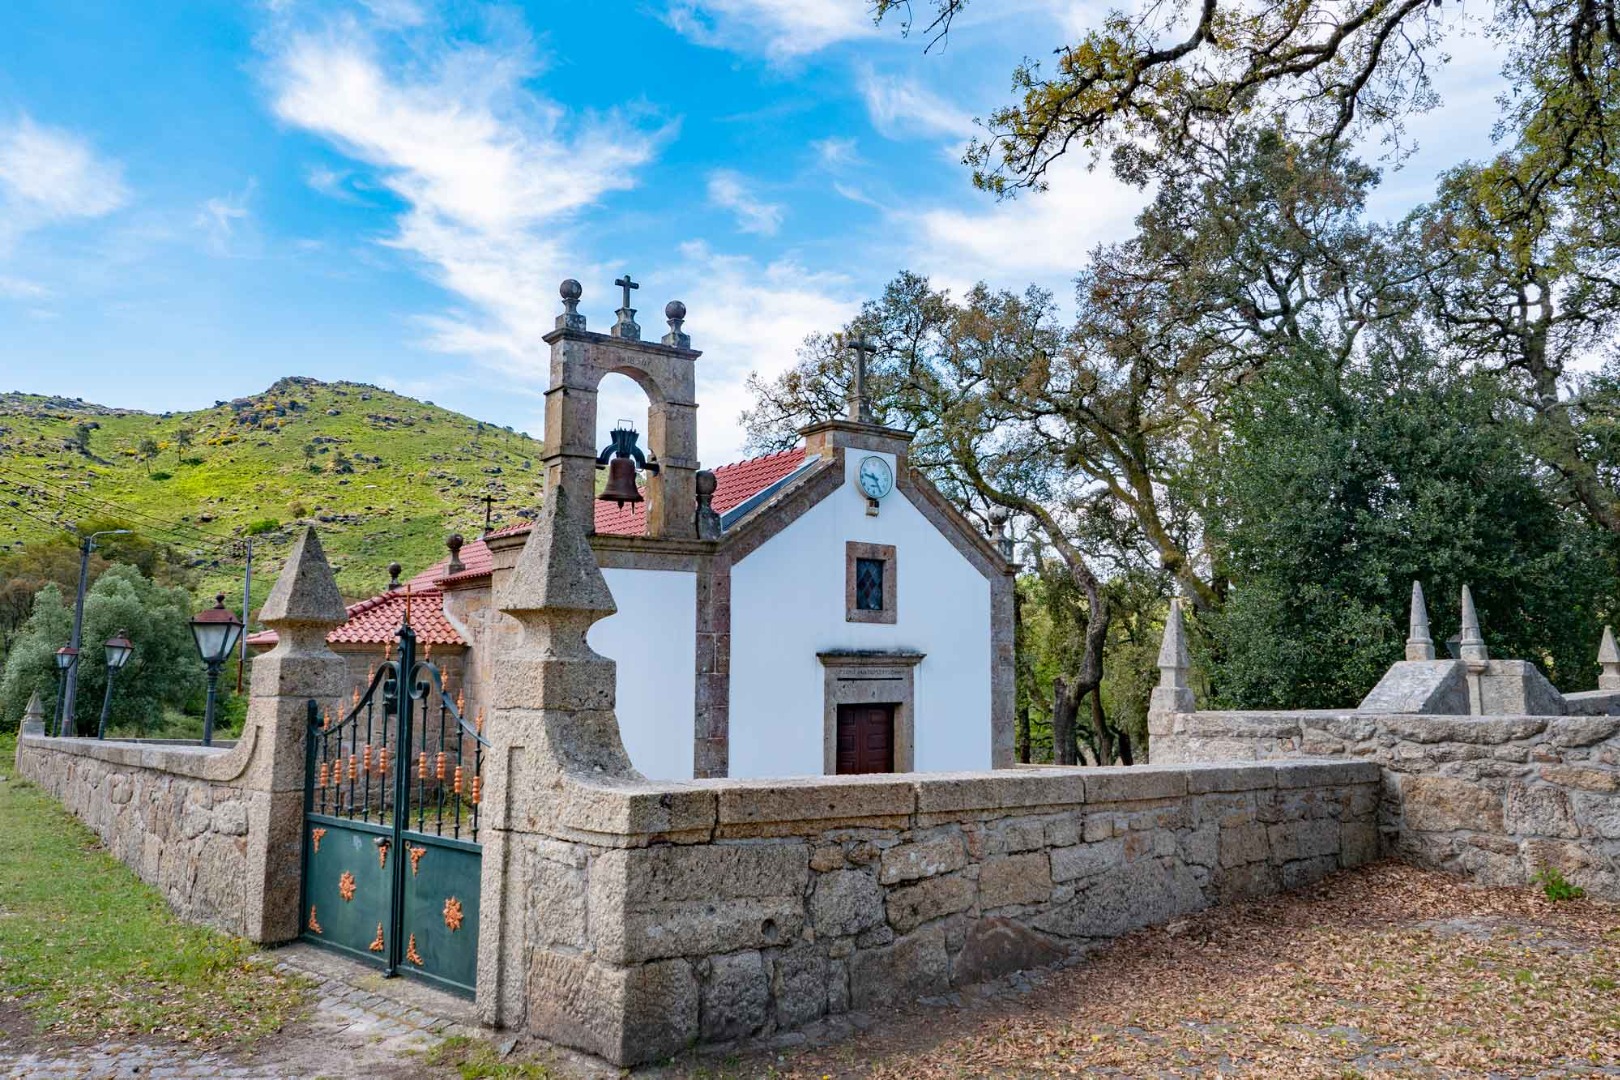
pixel 1388 970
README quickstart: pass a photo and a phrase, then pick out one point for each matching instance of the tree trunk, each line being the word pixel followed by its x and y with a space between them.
pixel 1063 712
pixel 1023 681
pixel 1099 723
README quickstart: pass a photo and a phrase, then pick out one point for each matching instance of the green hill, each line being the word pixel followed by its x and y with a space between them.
pixel 383 476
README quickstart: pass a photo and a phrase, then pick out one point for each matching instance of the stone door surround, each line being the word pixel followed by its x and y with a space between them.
pixel 870 677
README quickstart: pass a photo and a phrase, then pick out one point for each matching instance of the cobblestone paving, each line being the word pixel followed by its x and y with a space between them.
pixel 351 1032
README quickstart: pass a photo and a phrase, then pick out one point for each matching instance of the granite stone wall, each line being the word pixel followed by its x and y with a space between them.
pixel 1494 797
pixel 217 830
pixel 172 814
pixel 738 909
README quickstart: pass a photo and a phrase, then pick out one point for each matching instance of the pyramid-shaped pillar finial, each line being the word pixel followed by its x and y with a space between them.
pixel 1419 645
pixel 557 570
pixel 33 721
pixel 1172 695
pixel 1174 660
pixel 1472 642
pixel 1609 658
pixel 305 593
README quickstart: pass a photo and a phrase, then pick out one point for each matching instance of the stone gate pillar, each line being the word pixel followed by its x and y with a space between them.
pixel 303 606
pixel 551 718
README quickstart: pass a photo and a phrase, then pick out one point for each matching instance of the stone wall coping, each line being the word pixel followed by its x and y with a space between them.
pixel 1274 715
pixel 629 810
pixel 1414 727
pixel 216 764
pixel 1593 702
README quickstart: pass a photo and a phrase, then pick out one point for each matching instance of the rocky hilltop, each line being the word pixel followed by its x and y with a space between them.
pixel 386 477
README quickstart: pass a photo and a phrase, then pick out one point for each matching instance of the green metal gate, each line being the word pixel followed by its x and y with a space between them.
pixel 393 790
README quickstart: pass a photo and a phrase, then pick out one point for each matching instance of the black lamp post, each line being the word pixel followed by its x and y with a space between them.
pixel 216 631
pixel 66 657
pixel 119 650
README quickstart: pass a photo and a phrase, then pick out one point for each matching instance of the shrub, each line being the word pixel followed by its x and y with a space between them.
pixel 260 527
pixel 164 671
pixel 1555 886
pixel 161 475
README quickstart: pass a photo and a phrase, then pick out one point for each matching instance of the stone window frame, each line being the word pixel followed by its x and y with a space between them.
pixel 854 677
pixel 854 551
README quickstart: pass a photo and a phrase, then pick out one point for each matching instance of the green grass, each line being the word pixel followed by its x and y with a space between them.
pixel 476 1059
pixel 90 951
pixel 419 472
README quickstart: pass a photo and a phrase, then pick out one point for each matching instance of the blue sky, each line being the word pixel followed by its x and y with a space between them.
pixel 197 198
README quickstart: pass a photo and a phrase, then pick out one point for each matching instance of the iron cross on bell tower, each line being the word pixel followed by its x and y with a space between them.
pixel 626 326
pixel 860 405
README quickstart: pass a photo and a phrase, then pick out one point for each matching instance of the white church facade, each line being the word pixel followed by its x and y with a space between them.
pixel 817 611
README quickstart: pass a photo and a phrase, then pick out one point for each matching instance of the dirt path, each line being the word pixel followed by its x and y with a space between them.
pixel 1386 971
pixel 350 1032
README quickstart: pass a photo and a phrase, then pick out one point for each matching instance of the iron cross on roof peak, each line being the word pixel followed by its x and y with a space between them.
pixel 626 284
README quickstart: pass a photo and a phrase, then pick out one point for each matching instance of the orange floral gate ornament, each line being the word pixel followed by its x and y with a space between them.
pixel 315 836
pixel 452 914
pixel 346 886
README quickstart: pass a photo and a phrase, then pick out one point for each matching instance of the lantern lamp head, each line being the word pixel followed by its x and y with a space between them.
pixel 119 650
pixel 66 657
pixel 216 630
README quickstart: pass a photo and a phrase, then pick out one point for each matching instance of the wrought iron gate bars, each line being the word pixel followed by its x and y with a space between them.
pixel 332 777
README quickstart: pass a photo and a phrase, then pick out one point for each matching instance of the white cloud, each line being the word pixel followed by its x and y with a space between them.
pixel 396 12
pixel 782 29
pixel 749 316
pixel 901 107
pixel 732 192
pixel 15 288
pixel 49 175
pixel 836 152
pixel 1040 237
pixel 219 216
pixel 331 182
pixel 491 173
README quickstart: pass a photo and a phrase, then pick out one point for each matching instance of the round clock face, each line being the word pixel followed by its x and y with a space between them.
pixel 877 478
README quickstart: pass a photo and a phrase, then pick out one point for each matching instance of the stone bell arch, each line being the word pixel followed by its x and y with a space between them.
pixel 665 370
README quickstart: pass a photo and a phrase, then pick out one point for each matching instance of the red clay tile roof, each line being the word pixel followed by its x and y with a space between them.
pixel 734 485
pixel 377 620
pixel 740 482
pixel 374 621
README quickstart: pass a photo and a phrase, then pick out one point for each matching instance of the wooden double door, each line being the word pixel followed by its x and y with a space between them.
pixel 865 739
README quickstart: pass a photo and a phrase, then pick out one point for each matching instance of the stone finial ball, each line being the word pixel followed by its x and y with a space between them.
pixel 570 289
pixel 705 482
pixel 454 543
pixel 394 569
pixel 674 310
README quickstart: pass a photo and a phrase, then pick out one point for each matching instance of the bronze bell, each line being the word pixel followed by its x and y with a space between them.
pixel 626 457
pixel 621 484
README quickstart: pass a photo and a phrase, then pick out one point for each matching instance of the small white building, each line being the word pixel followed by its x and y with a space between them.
pixel 816 611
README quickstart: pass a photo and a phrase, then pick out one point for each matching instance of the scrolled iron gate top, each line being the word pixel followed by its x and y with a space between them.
pixel 393 797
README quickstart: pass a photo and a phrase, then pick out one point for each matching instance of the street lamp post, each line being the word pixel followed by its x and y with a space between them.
pixel 119 650
pixel 67 657
pixel 70 691
pixel 215 630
